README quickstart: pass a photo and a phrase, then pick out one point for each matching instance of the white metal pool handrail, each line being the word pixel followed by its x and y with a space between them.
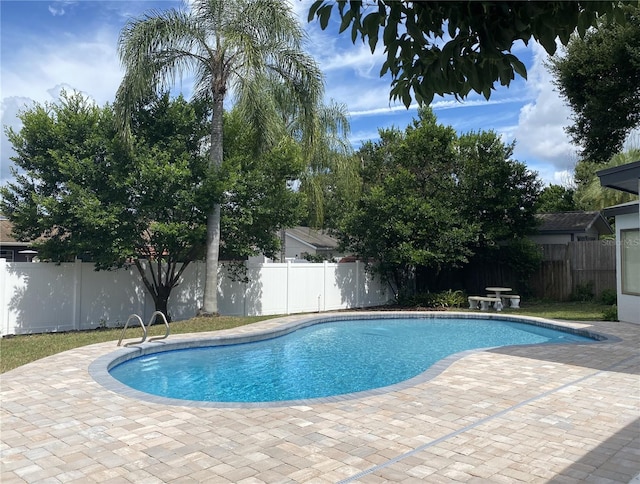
pixel 145 328
pixel 166 324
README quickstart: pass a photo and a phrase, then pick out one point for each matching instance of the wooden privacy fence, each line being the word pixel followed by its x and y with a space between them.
pixel 567 266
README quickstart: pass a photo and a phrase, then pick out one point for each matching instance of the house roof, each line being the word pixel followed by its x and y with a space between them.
pixel 622 209
pixel 6 233
pixel 625 178
pixel 317 239
pixel 572 222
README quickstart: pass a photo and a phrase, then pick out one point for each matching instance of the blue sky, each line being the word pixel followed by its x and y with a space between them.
pixel 50 45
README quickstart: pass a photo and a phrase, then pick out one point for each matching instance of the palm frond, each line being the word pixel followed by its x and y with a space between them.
pixel 154 50
pixel 594 196
pixel 258 106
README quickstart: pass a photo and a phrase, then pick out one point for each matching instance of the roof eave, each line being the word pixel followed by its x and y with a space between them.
pixel 625 178
pixel 622 209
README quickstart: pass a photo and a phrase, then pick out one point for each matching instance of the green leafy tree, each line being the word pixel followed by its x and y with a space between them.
pixel 432 200
pixel 93 196
pixel 259 198
pixel 229 47
pixel 165 199
pixel 495 190
pixel 500 195
pixel 599 76
pixel 340 187
pixel 455 47
pixel 556 198
pixel 58 145
pixel 144 204
pixel 406 218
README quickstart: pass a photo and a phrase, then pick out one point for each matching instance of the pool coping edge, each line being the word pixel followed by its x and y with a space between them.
pixel 99 368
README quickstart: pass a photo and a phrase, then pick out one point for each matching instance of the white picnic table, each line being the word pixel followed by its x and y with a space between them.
pixel 498 293
pixel 495 298
pixel 498 290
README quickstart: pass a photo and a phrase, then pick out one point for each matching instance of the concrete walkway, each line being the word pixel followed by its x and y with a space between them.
pixel 555 413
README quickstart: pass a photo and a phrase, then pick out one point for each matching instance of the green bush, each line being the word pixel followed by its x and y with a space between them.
pixel 610 314
pixel 524 258
pixel 450 299
pixel 444 299
pixel 609 297
pixel 583 292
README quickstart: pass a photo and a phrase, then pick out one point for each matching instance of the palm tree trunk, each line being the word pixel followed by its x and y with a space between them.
pixel 210 300
pixel 210 303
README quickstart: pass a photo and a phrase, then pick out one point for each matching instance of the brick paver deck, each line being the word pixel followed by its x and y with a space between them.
pixel 555 413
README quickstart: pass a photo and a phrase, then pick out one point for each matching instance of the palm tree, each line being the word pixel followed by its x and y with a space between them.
pixel 325 146
pixel 228 46
pixel 323 136
pixel 593 196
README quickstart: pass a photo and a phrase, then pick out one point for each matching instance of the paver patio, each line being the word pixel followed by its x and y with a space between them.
pixel 554 413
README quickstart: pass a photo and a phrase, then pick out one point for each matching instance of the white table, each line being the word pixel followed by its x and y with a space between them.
pixel 498 292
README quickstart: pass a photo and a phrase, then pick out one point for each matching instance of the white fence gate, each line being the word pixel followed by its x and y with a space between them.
pixel 44 297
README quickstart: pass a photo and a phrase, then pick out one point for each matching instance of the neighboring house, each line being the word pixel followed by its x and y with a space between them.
pixel 299 242
pixel 302 241
pixel 626 178
pixel 565 227
pixel 11 249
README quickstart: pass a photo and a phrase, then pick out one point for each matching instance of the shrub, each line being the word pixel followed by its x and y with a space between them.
pixel 609 297
pixel 524 258
pixel 444 299
pixel 611 313
pixel 583 292
pixel 450 299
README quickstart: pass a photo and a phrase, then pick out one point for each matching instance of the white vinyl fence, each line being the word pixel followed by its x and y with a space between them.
pixel 44 297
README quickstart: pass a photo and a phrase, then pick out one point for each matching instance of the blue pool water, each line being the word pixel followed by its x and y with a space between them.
pixel 325 359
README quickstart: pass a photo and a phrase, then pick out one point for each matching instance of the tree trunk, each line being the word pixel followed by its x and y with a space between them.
pixel 160 301
pixel 210 303
pixel 159 291
pixel 210 299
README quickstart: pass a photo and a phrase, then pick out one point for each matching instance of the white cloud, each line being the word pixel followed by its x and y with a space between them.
pixel 436 106
pixel 564 178
pixel 383 110
pixel 356 57
pixel 57 9
pixel 86 64
pixel 359 137
pixel 358 96
pixel 540 134
pixel 300 9
pixel 633 140
pixel 40 67
pixel 9 109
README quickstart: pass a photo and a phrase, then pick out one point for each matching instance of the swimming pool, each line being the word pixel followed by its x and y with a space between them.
pixel 321 357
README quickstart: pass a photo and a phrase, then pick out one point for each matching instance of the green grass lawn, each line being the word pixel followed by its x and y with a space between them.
pixel 19 350
pixel 573 310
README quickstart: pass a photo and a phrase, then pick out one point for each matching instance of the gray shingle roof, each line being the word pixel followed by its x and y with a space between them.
pixel 6 232
pixel 571 222
pixel 318 238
